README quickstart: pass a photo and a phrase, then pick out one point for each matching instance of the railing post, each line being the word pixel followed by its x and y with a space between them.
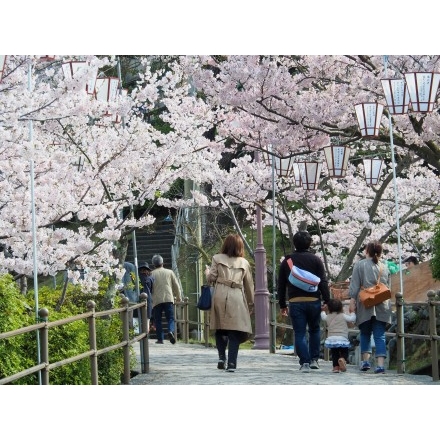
pixel 43 315
pixel 186 319
pixel 206 327
pixel 145 354
pixel 126 338
pixel 92 343
pixel 273 323
pixel 399 334
pixel 433 334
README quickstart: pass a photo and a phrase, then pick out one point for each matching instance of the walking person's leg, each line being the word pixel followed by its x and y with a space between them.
pixel 169 315
pixel 335 357
pixel 380 343
pixel 343 357
pixel 314 325
pixel 233 346
pixel 365 330
pixel 298 318
pixel 157 312
pixel 221 342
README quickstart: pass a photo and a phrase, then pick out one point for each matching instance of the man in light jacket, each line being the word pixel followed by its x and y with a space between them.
pixel 166 290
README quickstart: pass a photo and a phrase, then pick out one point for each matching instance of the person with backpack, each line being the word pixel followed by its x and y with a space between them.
pixel 303 293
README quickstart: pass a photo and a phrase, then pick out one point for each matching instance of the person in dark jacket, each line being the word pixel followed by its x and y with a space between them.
pixel 304 307
pixel 146 281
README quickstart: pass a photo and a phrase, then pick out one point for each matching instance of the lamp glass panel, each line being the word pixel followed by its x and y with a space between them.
pixel 422 88
pixel 336 157
pixel 2 65
pixel 71 68
pixel 296 174
pixel 397 95
pixel 372 169
pixel 369 115
pixel 310 173
pixel 107 89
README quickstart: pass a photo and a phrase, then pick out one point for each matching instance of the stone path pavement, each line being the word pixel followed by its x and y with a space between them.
pixel 194 364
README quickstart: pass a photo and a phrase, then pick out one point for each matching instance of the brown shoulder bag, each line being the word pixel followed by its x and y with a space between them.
pixel 374 295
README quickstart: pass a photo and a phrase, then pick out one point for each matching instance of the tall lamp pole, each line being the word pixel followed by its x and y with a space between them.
pixel 261 292
pixel 273 334
pixel 34 224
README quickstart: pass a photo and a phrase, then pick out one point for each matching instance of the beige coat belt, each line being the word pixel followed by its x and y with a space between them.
pixel 229 283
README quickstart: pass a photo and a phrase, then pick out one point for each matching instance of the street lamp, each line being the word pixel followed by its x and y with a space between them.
pixel 261 299
pixel 283 168
pixel 419 90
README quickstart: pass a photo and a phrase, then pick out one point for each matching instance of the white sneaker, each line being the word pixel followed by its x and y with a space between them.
pixel 314 365
pixel 305 368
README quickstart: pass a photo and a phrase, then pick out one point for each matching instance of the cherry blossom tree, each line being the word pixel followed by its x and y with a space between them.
pixel 88 167
pixel 298 105
pixel 93 158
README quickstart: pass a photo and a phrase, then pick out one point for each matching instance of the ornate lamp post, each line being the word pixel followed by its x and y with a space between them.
pixel 261 292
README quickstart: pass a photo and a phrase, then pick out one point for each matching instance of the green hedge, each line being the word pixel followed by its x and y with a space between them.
pixel 20 352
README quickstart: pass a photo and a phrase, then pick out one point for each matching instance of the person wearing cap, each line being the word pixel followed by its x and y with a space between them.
pixel 166 290
pixel 146 281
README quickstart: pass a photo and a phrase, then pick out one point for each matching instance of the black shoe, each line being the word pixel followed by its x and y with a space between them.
pixel 231 368
pixel 171 337
pixel 221 364
pixel 159 342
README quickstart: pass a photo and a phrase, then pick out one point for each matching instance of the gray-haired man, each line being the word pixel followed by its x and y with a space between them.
pixel 166 290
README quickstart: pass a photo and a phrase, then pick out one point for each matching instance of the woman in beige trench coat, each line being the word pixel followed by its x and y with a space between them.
pixel 233 300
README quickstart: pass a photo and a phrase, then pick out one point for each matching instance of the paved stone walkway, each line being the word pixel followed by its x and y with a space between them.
pixel 193 364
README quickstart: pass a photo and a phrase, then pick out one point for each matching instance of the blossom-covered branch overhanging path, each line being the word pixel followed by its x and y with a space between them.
pixel 302 107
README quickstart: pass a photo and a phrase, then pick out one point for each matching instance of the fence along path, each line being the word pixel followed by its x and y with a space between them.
pixel 195 364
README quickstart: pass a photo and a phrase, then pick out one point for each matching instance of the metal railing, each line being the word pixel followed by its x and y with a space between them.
pixel 400 335
pixel 182 319
pixel 45 366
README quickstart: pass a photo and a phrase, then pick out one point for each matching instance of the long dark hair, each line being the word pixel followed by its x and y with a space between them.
pixel 233 246
pixel 374 250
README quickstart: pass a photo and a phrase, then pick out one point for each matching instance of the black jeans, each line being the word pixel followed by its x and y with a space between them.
pixel 337 353
pixel 228 339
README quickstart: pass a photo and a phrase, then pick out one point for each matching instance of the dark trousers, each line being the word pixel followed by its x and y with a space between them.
pixel 337 353
pixel 229 339
pixel 168 309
